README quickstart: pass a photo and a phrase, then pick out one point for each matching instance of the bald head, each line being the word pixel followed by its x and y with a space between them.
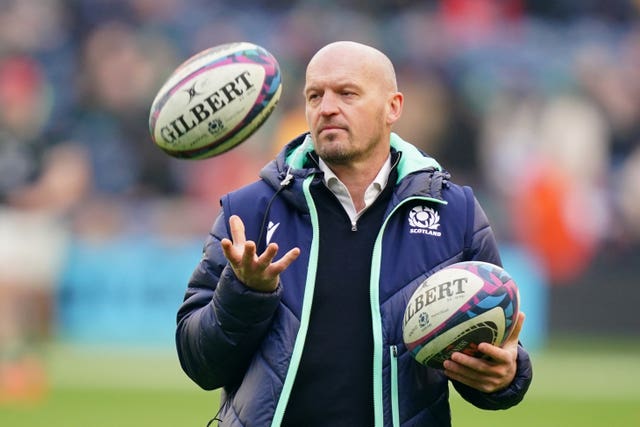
pixel 352 101
pixel 352 57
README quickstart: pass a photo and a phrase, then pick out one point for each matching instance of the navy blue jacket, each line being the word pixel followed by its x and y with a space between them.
pixel 250 343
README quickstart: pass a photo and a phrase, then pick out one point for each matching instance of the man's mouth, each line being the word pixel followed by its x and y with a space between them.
pixel 330 128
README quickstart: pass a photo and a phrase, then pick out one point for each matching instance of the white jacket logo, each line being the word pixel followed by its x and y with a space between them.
pixel 424 220
pixel 271 228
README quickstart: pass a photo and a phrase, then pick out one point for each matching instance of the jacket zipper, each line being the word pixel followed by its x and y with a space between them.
pixel 395 407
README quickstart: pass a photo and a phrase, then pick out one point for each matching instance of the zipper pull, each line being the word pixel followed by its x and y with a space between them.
pixel 354 226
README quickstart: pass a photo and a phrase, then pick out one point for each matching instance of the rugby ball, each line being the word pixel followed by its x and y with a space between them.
pixel 215 100
pixel 457 308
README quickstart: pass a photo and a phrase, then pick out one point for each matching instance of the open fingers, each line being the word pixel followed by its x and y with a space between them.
pixel 284 262
pixel 234 249
pixel 249 254
pixel 277 267
pixel 268 255
pixel 233 256
pixel 258 272
pixel 237 231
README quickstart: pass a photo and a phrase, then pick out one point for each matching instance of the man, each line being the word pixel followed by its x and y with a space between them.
pixel 315 337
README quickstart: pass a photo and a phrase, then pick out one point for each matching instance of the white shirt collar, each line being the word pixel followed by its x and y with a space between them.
pixel 372 192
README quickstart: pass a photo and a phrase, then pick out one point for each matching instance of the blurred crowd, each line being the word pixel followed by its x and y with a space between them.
pixel 536 104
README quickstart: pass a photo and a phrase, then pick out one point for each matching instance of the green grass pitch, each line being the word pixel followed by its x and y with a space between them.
pixel 583 383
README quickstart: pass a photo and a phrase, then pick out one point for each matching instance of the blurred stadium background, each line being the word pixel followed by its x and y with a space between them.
pixel 536 104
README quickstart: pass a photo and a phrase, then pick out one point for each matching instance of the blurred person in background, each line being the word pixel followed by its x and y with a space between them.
pixel 120 70
pixel 609 79
pixel 39 183
pixel 552 159
pixel 312 338
pixel 25 289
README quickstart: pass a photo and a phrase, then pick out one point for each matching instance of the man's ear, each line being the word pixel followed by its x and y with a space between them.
pixel 396 101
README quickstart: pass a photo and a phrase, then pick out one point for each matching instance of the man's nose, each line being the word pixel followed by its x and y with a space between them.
pixel 329 104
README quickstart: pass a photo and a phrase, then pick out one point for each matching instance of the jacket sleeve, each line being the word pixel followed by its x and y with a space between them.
pixel 221 321
pixel 482 246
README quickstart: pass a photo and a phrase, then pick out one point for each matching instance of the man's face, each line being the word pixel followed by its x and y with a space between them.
pixel 346 109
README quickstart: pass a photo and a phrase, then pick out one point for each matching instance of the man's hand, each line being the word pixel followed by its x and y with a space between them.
pixel 489 374
pixel 259 273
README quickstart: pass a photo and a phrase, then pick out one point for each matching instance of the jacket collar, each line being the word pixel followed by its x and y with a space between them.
pixel 412 159
pixel 294 163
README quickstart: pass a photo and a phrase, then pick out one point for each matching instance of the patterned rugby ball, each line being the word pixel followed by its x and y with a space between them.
pixel 457 308
pixel 215 100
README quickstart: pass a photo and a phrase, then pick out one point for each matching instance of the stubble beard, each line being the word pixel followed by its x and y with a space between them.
pixel 335 151
pixel 338 149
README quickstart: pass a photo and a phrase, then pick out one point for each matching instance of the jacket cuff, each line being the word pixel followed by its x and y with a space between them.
pixel 238 307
